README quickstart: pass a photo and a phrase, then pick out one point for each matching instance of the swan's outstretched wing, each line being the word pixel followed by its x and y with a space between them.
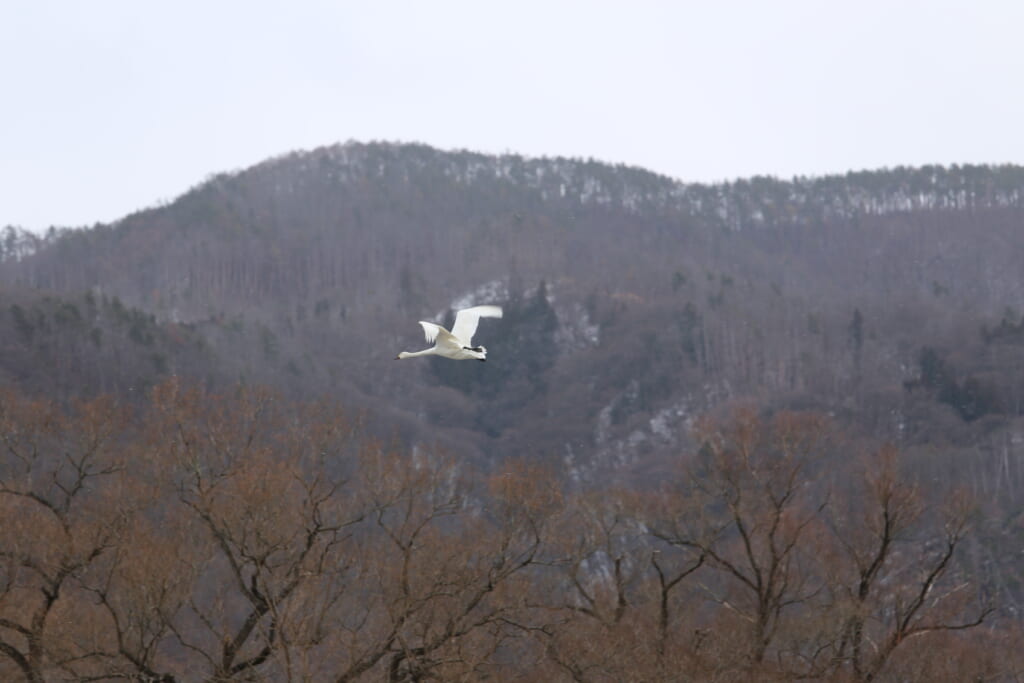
pixel 466 321
pixel 437 334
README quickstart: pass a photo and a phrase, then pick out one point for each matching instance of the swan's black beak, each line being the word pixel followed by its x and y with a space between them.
pixel 482 360
pixel 398 358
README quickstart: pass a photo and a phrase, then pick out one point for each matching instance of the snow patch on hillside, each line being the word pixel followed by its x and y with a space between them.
pixel 575 330
pixel 493 292
pixel 667 429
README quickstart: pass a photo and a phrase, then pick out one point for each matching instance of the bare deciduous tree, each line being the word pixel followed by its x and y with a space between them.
pixel 748 510
pixel 64 501
pixel 891 568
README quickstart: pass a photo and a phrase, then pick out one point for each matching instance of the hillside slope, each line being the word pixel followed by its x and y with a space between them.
pixel 633 301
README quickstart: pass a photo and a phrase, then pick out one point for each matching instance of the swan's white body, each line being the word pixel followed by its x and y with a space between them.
pixel 456 344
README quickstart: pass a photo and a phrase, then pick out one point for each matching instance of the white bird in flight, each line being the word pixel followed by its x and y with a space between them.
pixel 456 344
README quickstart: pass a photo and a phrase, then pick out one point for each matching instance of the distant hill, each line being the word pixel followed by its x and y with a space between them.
pixel 891 298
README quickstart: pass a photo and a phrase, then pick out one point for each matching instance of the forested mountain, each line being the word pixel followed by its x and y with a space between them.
pixel 891 297
pixel 890 301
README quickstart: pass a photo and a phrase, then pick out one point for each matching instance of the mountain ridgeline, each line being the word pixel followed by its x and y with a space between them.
pixel 634 302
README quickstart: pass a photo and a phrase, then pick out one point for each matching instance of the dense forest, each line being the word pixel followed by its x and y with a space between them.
pixel 243 536
pixel 765 427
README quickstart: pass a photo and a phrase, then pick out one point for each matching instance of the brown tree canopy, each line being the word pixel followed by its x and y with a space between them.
pixel 242 536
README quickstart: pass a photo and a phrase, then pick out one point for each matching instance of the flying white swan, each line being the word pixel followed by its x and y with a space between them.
pixel 457 343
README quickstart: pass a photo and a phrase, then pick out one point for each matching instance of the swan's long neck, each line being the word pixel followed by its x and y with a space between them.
pixel 413 354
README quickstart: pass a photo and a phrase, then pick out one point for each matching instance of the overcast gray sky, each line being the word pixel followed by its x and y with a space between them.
pixel 109 106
